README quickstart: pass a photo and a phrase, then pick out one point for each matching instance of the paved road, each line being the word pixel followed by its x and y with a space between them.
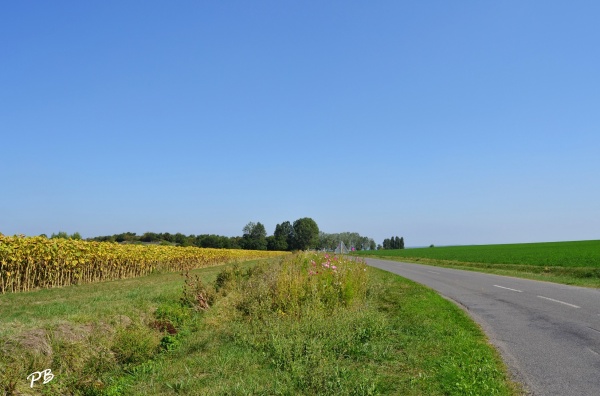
pixel 548 334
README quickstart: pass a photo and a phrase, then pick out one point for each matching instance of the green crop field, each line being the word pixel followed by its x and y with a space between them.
pixel 576 262
pixel 562 254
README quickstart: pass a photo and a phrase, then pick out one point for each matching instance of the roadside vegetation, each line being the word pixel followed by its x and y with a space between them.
pixel 574 263
pixel 307 324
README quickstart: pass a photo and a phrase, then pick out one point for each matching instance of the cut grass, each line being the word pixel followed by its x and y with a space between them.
pixel 572 263
pixel 401 338
pixel 91 303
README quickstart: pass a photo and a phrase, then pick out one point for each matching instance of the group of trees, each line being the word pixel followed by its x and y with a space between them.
pixel 350 239
pixel 64 235
pixel 393 243
pixel 303 234
pixel 179 239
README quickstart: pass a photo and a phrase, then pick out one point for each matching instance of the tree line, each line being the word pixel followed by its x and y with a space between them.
pixel 302 234
pixel 178 239
pixel 350 239
pixel 393 243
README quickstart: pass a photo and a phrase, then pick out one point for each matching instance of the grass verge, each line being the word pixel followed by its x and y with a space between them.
pixel 311 324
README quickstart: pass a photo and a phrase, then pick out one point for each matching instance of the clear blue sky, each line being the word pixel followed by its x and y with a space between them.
pixel 445 122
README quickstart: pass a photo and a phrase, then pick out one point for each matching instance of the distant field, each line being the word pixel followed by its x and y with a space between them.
pixel 548 254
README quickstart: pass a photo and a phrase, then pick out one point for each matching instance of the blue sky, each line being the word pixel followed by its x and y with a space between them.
pixel 443 122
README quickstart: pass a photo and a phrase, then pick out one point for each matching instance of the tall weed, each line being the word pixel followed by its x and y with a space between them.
pixel 297 285
pixel 305 317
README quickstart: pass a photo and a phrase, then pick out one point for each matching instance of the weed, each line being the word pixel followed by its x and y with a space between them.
pixel 175 314
pixel 195 293
pixel 135 345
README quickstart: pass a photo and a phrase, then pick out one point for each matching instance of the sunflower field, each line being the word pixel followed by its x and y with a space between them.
pixel 28 263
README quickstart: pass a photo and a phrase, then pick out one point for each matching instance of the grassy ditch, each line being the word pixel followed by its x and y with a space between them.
pixel 89 335
pixel 571 263
pixel 309 324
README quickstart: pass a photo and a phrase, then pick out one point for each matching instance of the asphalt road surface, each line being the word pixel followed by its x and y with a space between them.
pixel 548 334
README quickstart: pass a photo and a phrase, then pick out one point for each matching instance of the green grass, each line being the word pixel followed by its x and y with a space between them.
pixel 575 262
pixel 104 302
pixel 291 327
pixel 82 332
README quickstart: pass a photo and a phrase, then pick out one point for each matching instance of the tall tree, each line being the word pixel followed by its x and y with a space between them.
pixel 306 234
pixel 255 236
pixel 371 244
pixel 282 237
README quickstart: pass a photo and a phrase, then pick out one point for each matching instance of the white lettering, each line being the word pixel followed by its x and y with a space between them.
pixel 46 375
